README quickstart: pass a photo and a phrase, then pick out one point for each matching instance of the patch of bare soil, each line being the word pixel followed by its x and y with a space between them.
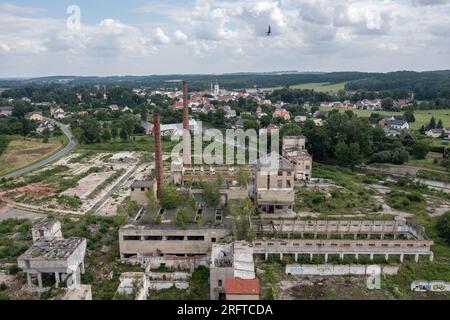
pixel 329 288
pixel 437 207
pixel 39 151
pixel 36 191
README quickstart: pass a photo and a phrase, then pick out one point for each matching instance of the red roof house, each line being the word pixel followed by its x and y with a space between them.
pixel 242 289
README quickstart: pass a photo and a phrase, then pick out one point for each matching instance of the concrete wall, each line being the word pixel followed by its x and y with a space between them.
pixel 329 269
pixel 273 181
pixel 275 196
pixel 298 143
pixel 236 193
pixel 242 297
pixel 168 276
pixel 50 233
pixel 140 196
pixel 160 285
pixel 217 274
pixel 183 263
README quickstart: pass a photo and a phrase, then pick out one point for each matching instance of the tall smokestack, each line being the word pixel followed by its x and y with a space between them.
pixel 159 169
pixel 186 132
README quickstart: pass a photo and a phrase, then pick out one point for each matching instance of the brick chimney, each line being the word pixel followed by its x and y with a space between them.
pixel 186 132
pixel 159 169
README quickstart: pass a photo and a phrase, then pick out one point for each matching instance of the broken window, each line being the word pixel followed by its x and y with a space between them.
pixel 196 238
pixel 131 238
pixel 175 238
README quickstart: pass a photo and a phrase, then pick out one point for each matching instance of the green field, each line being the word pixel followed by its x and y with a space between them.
pixel 319 87
pixel 22 152
pixel 422 116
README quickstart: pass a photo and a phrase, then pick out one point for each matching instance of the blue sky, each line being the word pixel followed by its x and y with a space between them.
pixel 141 37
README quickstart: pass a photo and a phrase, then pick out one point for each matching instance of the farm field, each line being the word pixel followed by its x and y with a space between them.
pixel 319 87
pixel 23 151
pixel 422 116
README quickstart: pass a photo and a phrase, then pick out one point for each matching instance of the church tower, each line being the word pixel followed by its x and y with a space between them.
pixel 216 88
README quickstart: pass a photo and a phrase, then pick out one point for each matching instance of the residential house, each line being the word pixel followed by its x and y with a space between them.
pixel 239 124
pixel 55 109
pixel 114 107
pixel 318 122
pixel 320 114
pixel 391 132
pixel 394 123
pixel 208 108
pixel 45 125
pixel 229 113
pixel 59 115
pixel 279 104
pixel 369 104
pixel 336 104
pixel 35 116
pixel 260 113
pixel 6 111
pixel 242 289
pixel 434 133
pixel 177 106
pixel 300 119
pixel 148 127
pixel 282 113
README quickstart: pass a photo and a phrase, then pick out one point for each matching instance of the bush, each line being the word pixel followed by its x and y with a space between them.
pixel 170 198
pixel 4 142
pixel 420 150
pixel 396 156
pixel 14 269
pixel 443 226
pixel 211 193
pixel 437 149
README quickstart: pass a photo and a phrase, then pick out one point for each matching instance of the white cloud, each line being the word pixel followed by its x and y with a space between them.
pixel 161 37
pixel 12 8
pixel 374 35
pixel 180 37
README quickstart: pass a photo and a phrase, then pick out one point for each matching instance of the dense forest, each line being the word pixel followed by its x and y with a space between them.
pixel 397 85
pixel 199 82
pixel 425 85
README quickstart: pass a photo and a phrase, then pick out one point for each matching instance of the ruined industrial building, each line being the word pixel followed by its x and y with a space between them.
pixel 52 254
pixel 277 229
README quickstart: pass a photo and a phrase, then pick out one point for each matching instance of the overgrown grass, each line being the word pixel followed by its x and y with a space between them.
pixel 412 202
pixel 198 288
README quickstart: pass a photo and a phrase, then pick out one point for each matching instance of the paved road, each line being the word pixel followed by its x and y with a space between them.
pixel 72 144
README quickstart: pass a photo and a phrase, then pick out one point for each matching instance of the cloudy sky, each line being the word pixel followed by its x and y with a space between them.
pixel 141 37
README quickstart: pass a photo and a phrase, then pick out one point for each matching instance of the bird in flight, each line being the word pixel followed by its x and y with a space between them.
pixel 269 32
